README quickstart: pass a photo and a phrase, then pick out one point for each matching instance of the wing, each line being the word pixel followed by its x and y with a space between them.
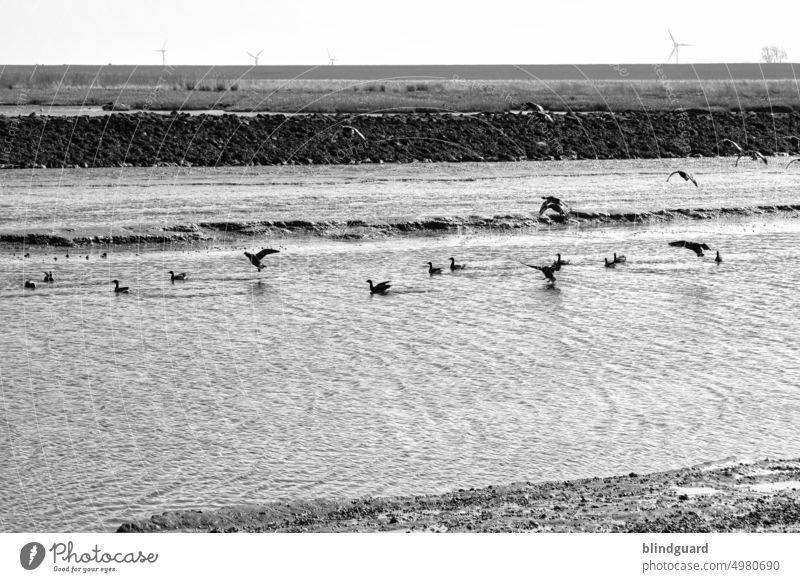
pixel 705 246
pixel 733 143
pixel 673 173
pixel 793 161
pixel 544 207
pixel 537 267
pixel 680 243
pixel 383 284
pixel 693 181
pixel 263 253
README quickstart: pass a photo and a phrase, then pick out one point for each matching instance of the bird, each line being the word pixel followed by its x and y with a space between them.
pixel 380 288
pixel 354 131
pixel 718 259
pixel 538 109
pixel 794 140
pixel 611 264
pixel 48 277
pixel 547 270
pixel 256 258
pixel 695 246
pixel 27 255
pixel 30 284
pixel 558 263
pixel 177 277
pixel 619 259
pixel 118 289
pixel 735 145
pixel 434 270
pixel 104 255
pixel 793 161
pixel 685 175
pixel 454 267
pixel 553 203
pixel 755 155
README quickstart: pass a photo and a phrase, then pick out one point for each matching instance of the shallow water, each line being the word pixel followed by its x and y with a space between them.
pixel 235 386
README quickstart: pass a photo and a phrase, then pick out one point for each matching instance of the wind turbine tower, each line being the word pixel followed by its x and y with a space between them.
pixel 255 56
pixel 675 45
pixel 163 51
pixel 331 60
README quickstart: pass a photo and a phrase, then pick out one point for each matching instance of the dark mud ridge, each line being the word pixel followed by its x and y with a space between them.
pixel 752 497
pixel 362 230
pixel 149 139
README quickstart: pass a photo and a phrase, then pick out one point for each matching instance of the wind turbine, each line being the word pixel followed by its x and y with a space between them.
pixel 331 60
pixel 675 45
pixel 163 51
pixel 255 56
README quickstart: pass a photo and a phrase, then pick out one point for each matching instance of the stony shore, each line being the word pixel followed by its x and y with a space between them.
pixel 763 496
pixel 150 139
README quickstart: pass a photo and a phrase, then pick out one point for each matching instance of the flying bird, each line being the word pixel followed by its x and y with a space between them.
pixel 685 175
pixel 433 270
pixel 735 145
pixel 755 155
pixel 379 288
pixel 555 204
pixel 177 277
pixel 547 270
pixel 537 109
pixel 256 258
pixel 793 161
pixel 695 246
pixel 354 131
pixel 117 288
pixel 454 267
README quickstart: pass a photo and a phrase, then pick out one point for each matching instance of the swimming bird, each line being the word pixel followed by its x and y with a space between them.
pixel 559 262
pixel 454 267
pixel 793 161
pixel 48 277
pixel 117 288
pixel 433 270
pixel 696 247
pixel 611 264
pixel 553 203
pixel 256 258
pixel 177 277
pixel 104 255
pixel 619 259
pixel 27 255
pixel 685 175
pixel 547 270
pixel 354 131
pixel 30 284
pixel 379 288
pixel 718 259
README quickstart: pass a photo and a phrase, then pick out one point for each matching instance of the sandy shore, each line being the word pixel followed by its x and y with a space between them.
pixel 763 496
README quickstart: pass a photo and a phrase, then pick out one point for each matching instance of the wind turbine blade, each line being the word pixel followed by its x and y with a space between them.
pixel 259 52
pixel 684 45
pixel 670 35
pixel 251 54
pixel 672 53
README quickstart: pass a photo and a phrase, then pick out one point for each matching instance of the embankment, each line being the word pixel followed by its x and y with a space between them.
pixel 149 139
pixel 752 497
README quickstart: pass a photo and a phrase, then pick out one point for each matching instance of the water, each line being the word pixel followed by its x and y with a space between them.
pixel 235 386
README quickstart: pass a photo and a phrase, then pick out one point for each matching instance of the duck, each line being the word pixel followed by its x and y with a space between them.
pixel 547 270
pixel 433 270
pixel 685 175
pixel 118 289
pixel 30 284
pixel 718 259
pixel 609 265
pixel 695 246
pixel 378 288
pixel 619 259
pixel 256 258
pixel 177 277
pixel 454 267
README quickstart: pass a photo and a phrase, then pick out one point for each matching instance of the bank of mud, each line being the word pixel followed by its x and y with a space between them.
pixel 748 497
pixel 150 139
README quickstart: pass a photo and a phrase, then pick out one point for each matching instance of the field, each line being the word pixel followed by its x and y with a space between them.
pixel 254 89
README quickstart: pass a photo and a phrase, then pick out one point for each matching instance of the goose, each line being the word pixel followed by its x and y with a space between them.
pixel 433 270
pixel 787 165
pixel 27 255
pixel 117 288
pixel 177 277
pixel 559 262
pixel 547 270
pixel 256 258
pixel 30 285
pixel 537 109
pixel 755 155
pixel 48 277
pixel 735 145
pixel 611 264
pixel 696 247
pixel 454 267
pixel 619 259
pixel 685 175
pixel 379 288
pixel 553 203
pixel 718 259
pixel 104 255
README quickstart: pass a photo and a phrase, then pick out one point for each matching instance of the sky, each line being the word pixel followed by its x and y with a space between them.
pixel 371 32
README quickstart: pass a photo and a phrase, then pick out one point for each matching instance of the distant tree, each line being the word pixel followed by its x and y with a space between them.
pixel 773 54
